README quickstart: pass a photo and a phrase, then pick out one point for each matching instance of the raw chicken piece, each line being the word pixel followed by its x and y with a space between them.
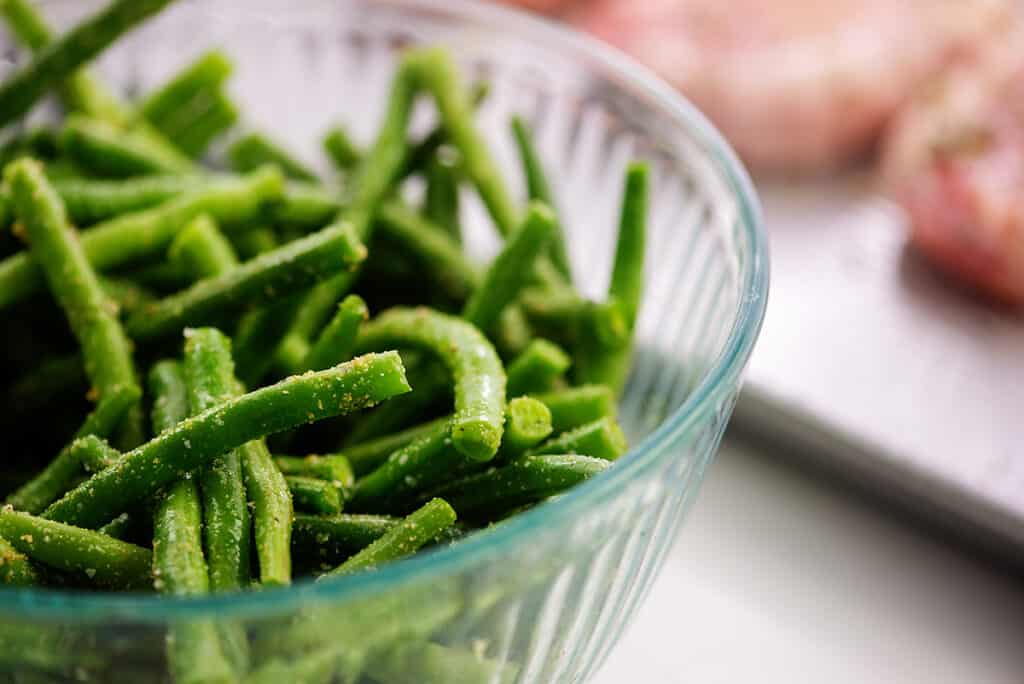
pixel 954 158
pixel 795 84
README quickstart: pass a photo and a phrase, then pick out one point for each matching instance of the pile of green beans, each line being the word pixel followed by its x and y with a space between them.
pixel 222 329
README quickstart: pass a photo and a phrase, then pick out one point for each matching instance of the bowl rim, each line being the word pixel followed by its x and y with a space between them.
pixel 721 378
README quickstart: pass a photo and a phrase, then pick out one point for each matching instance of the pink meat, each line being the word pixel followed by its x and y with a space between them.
pixel 795 84
pixel 954 158
pixel 541 6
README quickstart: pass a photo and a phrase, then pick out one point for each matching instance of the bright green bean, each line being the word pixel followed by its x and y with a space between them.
pixel 527 424
pixel 93 453
pixel 208 370
pixel 204 75
pixel 89 200
pixel 255 241
pixel 102 559
pixel 611 364
pixel 475 367
pixel 511 269
pixel 523 481
pixel 15 567
pixel 405 538
pixel 254 150
pixel 537 368
pixel 362 382
pixel 314 496
pixel 576 406
pixel 271 513
pixel 289 268
pixel 212 116
pixel 538 188
pixel 338 338
pixel 179 566
pixel 58 60
pixel 601 439
pixel 107 150
pixel 127 238
pixel 305 206
pixel 333 468
pixel 339 147
pixel 58 251
pixel 202 250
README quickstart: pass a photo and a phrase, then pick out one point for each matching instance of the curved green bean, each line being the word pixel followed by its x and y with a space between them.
pixel 537 368
pixel 337 340
pixel 130 237
pixel 105 149
pixel 209 374
pixel 418 528
pixel 511 270
pixel 58 60
pixel 58 251
pixel 286 269
pixel 314 496
pixel 475 367
pixel 362 382
pixel 202 250
pixel 102 559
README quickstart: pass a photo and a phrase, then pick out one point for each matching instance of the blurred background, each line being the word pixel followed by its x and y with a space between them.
pixel 865 521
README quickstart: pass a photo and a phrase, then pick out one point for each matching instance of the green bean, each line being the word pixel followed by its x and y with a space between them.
pixel 423 464
pixel 527 424
pixel 511 269
pixel 566 315
pixel 611 365
pixel 26 23
pixel 337 340
pixel 372 181
pixel 213 116
pixel 434 71
pixel 202 250
pixel 304 206
pixel 271 513
pixel 369 455
pixel 254 150
pixel 429 663
pixel 333 468
pixel 432 247
pixel 93 453
pixel 194 651
pixel 118 528
pixel 204 75
pixel 441 202
pixel 191 444
pixel 601 439
pixel 523 481
pixel 336 537
pixel 314 496
pixel 57 249
pixel 475 367
pixel 129 237
pixel 289 268
pixel 15 567
pixel 255 241
pixel 340 149
pixel 576 406
pixel 537 368
pixel 405 538
pixel 537 188
pixel 208 370
pixel 428 148
pixel 58 60
pixel 259 335
pixel 108 150
pixel 104 560
pixel 126 295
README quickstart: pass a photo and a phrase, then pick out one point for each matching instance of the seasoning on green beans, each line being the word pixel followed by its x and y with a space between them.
pixel 537 368
pixel 314 495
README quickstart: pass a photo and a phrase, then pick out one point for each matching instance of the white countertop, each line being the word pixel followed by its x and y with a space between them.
pixel 780 577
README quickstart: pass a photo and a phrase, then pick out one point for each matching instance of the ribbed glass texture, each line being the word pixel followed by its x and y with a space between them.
pixel 542 598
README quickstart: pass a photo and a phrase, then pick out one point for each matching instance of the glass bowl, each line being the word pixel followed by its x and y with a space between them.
pixel 544 596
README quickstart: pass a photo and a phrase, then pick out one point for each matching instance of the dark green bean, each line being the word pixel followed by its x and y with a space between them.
pixel 191 444
pixel 100 558
pixel 523 481
pixel 405 538
pixel 367 456
pixel 208 370
pixel 15 567
pixel 334 538
pixel 58 251
pixel 475 367
pixel 333 468
pixel 129 237
pixel 511 269
pixel 601 439
pixel 166 382
pixel 255 149
pixel 338 338
pixel 118 528
pixel 314 496
pixel 108 150
pixel 538 188
pixel 259 336
pixel 537 368
pixel 202 250
pixel 58 60
pixel 287 269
